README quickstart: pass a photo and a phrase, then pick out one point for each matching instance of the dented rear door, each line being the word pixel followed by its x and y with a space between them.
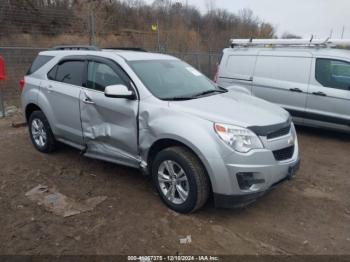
pixel 109 124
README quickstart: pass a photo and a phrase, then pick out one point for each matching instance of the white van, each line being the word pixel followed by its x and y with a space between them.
pixel 311 82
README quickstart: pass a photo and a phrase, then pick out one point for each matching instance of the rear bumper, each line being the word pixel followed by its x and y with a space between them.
pixel 239 201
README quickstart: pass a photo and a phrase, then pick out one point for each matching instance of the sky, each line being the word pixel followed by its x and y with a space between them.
pixel 300 17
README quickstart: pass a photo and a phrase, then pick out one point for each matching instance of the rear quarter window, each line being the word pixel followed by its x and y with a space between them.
pixel 39 61
pixel 52 74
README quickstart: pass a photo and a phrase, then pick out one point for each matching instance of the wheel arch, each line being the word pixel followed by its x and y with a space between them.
pixel 164 143
pixel 30 108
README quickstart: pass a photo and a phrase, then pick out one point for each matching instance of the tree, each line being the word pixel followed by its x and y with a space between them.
pixel 287 35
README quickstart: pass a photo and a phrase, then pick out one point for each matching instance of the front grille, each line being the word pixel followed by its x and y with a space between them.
pixel 281 132
pixel 284 154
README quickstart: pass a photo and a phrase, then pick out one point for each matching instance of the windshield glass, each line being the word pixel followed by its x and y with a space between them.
pixel 169 79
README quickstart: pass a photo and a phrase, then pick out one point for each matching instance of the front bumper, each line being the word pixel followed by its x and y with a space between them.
pixel 242 200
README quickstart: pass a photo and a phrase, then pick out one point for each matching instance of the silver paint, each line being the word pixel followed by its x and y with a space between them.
pixel 123 131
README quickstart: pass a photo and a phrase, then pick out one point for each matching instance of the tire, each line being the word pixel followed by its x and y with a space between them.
pixel 196 183
pixel 39 126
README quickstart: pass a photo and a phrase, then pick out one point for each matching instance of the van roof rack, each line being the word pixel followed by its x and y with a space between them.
pixel 75 47
pixel 328 42
pixel 138 49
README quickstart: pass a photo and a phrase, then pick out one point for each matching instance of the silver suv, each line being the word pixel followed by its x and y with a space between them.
pixel 157 113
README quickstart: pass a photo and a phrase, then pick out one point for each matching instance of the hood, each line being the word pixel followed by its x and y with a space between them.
pixel 234 108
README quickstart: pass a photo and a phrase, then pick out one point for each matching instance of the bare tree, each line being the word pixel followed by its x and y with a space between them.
pixel 128 22
pixel 210 5
pixel 287 35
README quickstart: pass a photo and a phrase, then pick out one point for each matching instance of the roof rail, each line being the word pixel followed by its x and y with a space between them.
pixel 75 47
pixel 138 49
pixel 290 42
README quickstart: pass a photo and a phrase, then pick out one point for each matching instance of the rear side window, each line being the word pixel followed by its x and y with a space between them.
pixel 333 73
pixel 70 72
pixel 38 63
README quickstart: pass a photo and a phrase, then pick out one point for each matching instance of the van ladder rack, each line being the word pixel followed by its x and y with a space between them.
pixel 290 42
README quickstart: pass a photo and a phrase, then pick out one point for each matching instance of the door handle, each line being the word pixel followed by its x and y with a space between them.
pixel 296 90
pixel 319 94
pixel 88 101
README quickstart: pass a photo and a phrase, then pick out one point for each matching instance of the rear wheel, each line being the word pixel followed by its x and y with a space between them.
pixel 40 132
pixel 180 179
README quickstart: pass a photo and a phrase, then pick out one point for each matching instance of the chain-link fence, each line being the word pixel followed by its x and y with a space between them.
pixel 28 27
pixel 19 59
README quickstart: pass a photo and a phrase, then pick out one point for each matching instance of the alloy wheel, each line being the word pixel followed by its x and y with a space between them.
pixel 38 132
pixel 173 182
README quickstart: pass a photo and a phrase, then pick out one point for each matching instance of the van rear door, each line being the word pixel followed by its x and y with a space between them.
pixel 237 68
pixel 283 78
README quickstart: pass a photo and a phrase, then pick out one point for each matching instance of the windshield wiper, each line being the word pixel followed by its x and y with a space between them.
pixel 182 98
pixel 210 92
pixel 179 98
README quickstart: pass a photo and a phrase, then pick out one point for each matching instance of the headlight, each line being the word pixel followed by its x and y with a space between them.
pixel 240 139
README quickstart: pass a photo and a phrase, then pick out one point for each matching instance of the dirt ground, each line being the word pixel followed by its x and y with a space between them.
pixel 308 215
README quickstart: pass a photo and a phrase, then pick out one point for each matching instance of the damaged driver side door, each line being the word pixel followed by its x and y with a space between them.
pixel 109 124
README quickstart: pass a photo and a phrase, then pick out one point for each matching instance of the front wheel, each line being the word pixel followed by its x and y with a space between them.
pixel 180 179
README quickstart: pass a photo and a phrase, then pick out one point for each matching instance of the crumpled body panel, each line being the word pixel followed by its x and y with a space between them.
pixel 110 128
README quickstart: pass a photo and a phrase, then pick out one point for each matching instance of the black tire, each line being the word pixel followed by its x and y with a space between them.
pixel 198 181
pixel 50 144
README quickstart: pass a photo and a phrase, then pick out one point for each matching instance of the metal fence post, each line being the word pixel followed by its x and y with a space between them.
pixel 210 70
pixel 2 108
pixel 197 62
pixel 2 78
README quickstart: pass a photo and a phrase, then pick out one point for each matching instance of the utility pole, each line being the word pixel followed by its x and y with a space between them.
pixel 158 36
pixel 92 39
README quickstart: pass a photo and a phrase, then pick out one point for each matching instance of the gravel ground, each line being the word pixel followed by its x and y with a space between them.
pixel 308 215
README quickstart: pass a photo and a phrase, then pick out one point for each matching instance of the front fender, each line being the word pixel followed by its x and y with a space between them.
pixel 196 133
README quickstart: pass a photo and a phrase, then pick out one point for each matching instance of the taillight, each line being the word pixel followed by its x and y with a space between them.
pixel 216 75
pixel 21 83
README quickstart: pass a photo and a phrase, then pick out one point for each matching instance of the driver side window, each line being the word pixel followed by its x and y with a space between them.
pixel 101 75
pixel 333 73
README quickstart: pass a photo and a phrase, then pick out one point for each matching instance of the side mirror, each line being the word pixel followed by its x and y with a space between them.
pixel 119 91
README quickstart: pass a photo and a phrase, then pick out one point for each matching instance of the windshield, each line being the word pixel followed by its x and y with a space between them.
pixel 173 79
